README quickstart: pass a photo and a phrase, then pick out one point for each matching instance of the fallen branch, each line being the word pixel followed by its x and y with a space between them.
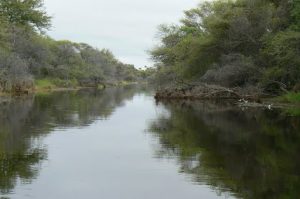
pixel 203 92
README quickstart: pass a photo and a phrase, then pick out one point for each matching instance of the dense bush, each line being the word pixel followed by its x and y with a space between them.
pixel 282 53
pixel 232 71
pixel 26 53
pixel 14 74
pixel 234 43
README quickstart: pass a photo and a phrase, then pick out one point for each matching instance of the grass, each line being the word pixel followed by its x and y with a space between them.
pixel 293 98
pixel 290 98
pixel 50 84
pixel 44 84
pixel 293 111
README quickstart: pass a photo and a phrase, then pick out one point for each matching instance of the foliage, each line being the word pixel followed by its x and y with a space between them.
pixel 27 54
pixel 290 97
pixel 14 74
pixel 25 12
pixel 232 71
pixel 262 35
pixel 43 84
pixel 295 14
pixel 283 55
pixel 48 84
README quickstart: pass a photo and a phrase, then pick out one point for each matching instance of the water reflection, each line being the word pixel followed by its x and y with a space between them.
pixel 252 153
pixel 249 153
pixel 25 121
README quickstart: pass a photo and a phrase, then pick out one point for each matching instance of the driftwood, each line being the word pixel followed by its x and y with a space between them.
pixel 204 91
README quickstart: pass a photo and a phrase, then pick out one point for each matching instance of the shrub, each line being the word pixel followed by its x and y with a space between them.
pixel 232 71
pixel 282 52
pixel 14 76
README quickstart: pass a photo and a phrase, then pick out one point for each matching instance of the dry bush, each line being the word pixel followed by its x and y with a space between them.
pixel 234 70
pixel 14 74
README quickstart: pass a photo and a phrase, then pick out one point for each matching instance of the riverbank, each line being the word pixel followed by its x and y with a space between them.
pixel 61 85
pixel 246 98
pixel 206 92
pixel 53 85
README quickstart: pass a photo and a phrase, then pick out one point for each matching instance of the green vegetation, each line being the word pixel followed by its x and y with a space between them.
pixel 295 112
pixel 290 97
pixel 233 43
pixel 26 54
pixel 44 84
pixel 49 84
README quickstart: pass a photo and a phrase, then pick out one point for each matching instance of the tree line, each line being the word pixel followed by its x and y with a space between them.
pixel 233 43
pixel 27 53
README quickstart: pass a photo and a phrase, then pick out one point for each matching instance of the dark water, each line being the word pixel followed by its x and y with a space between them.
pixel 121 144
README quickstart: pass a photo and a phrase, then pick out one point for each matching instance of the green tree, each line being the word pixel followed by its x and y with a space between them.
pixel 25 12
pixel 295 14
pixel 283 56
pixel 256 37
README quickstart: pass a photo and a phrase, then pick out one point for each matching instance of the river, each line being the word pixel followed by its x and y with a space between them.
pixel 120 143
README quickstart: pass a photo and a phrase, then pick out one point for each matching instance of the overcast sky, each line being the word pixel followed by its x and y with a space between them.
pixel 126 27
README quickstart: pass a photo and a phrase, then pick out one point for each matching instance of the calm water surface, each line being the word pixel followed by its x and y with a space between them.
pixel 121 144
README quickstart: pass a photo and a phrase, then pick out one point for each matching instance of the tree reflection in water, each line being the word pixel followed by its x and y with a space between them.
pixel 25 121
pixel 251 153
